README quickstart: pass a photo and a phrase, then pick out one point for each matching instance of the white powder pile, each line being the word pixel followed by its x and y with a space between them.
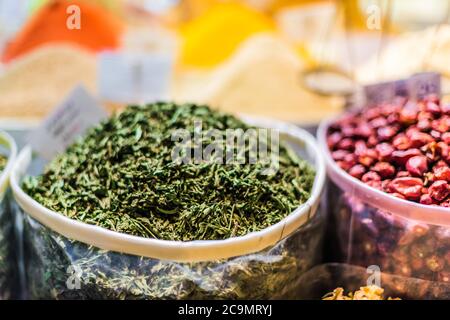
pixel 33 85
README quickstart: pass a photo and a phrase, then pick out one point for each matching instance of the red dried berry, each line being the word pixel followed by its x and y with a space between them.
pixel 402 174
pixel 346 144
pixel 357 171
pixel 360 147
pixel 371 176
pixel 408 114
pixel 424 124
pixel 446 137
pixel 442 149
pixel 398 195
pixel 417 165
pixel 442 173
pixel 386 133
pixel 378 122
pixel 435 134
pixel 375 184
pixel 339 154
pixel 384 151
pixel 432 97
pixel 427 199
pixel 384 169
pixel 363 130
pixel 351 159
pixel 440 125
pixel 368 157
pixel 410 188
pixel 439 190
pixel 445 108
pixel 401 142
pixel 445 203
pixel 372 141
pixel 433 108
pixel 401 157
pixel 419 139
pixel 348 131
pixel 333 139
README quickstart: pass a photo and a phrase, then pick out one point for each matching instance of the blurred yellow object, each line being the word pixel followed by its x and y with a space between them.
pixel 215 35
pixel 274 5
pixel 262 78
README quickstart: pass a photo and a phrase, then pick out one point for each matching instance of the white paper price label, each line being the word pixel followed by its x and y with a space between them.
pixel 134 77
pixel 415 87
pixel 79 112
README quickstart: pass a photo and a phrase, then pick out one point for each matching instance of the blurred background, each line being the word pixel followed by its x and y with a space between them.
pixel 295 60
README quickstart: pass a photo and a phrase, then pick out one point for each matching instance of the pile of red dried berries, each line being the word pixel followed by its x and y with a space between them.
pixel 401 148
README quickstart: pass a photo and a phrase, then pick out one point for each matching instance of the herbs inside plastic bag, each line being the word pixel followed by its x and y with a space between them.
pixel 60 268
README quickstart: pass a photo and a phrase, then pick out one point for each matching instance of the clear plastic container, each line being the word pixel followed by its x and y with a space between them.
pixel 68 259
pixel 375 228
pixel 9 274
pixel 320 280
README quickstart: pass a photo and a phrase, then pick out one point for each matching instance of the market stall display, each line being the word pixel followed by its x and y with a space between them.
pixel 9 276
pixel 188 185
pixel 175 230
pixel 389 168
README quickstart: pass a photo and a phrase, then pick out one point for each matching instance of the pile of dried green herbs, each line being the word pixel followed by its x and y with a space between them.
pixel 122 176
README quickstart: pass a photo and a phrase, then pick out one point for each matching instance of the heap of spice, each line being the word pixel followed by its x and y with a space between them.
pixel 372 292
pixel 401 148
pixel 47 75
pixel 121 176
pixel 56 23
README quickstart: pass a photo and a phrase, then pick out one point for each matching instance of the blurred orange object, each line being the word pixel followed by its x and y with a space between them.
pixel 98 30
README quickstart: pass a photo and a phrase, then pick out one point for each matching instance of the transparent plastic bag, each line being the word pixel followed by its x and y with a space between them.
pixel 375 228
pixel 9 271
pixel 60 268
pixel 324 278
pixel 8 259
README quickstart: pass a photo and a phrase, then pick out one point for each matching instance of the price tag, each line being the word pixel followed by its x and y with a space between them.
pixel 424 84
pixel 415 87
pixel 134 77
pixel 72 118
